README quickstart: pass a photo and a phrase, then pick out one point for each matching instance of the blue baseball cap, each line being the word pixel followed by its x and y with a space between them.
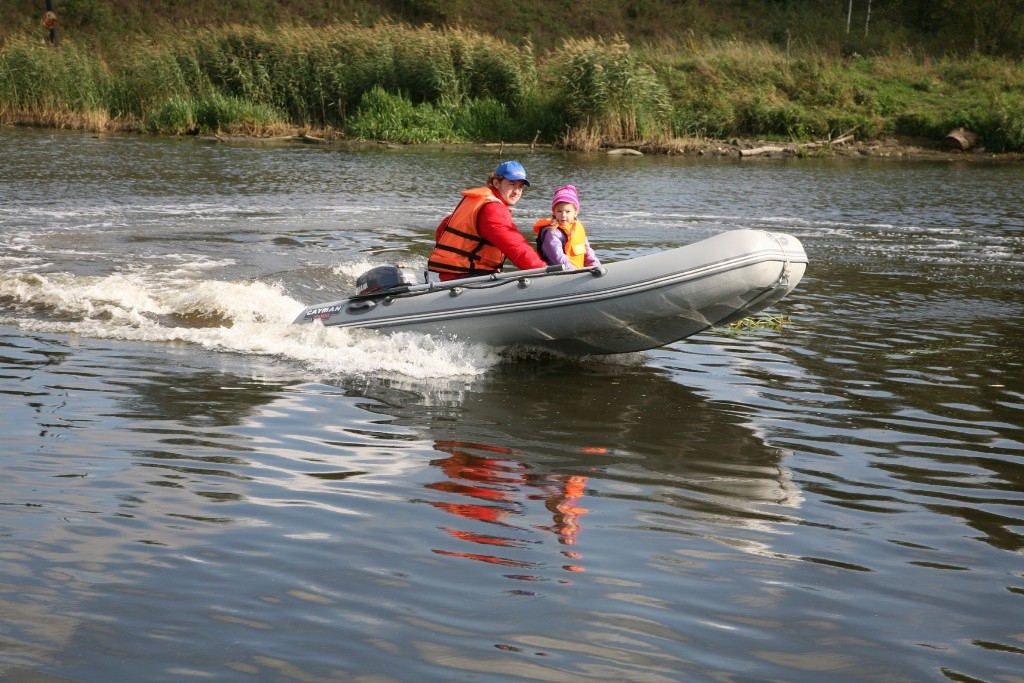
pixel 512 170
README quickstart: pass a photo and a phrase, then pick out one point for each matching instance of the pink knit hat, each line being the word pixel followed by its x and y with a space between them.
pixel 566 193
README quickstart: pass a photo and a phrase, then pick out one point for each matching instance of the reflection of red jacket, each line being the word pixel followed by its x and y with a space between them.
pixel 495 227
pixel 506 485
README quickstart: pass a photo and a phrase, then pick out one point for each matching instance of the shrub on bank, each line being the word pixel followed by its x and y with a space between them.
pixel 394 118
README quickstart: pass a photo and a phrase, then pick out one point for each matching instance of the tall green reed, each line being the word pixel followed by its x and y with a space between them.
pixel 36 80
pixel 319 76
pixel 607 93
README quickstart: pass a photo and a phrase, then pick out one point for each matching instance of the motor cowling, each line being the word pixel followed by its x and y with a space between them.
pixel 383 279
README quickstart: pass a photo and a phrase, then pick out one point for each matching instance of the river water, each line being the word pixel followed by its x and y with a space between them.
pixel 195 489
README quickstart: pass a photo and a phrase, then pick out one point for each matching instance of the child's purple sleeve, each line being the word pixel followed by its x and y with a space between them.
pixel 553 248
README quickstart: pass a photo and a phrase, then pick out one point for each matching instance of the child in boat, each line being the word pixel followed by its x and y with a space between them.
pixel 561 238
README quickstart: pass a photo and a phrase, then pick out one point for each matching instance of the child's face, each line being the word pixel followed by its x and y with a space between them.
pixel 564 212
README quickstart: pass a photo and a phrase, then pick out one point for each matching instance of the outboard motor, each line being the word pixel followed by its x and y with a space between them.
pixel 382 279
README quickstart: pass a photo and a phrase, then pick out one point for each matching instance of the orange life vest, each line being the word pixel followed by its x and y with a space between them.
pixel 460 249
pixel 575 246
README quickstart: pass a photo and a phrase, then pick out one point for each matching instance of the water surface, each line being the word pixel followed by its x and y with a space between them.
pixel 195 489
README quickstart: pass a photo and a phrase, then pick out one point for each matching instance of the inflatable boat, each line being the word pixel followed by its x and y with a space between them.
pixel 620 307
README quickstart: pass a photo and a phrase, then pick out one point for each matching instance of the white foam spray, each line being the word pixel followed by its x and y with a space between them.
pixel 248 317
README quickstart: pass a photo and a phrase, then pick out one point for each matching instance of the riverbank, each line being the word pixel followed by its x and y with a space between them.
pixel 895 147
pixel 899 148
pixel 907 148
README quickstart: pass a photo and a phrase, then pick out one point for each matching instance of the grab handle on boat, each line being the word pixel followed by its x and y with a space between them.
pixel 525 281
pixel 361 306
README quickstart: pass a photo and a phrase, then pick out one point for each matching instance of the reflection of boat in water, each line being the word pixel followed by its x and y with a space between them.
pixel 537 458
pixel 522 454
pixel 625 306
pixel 628 421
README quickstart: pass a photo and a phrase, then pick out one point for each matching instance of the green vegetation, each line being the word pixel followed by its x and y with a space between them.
pixel 371 78
pixel 756 90
pixel 766 322
pixel 932 27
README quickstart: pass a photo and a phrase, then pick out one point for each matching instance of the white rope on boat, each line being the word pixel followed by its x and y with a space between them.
pixel 787 267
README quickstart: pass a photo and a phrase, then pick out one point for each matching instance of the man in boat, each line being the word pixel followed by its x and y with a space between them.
pixel 479 235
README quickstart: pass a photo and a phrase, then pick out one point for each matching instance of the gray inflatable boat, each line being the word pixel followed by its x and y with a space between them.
pixel 620 307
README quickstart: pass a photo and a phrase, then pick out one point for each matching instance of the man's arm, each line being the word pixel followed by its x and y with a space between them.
pixel 494 222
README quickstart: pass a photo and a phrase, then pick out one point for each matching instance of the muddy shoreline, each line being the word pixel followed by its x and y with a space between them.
pixel 893 148
pixel 899 148
pixel 909 149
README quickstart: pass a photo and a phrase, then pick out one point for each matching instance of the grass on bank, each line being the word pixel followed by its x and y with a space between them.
pixel 417 85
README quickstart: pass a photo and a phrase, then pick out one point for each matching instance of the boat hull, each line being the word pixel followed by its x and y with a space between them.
pixel 623 307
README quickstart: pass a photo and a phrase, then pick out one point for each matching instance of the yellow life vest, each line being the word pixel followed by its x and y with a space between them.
pixel 460 249
pixel 575 246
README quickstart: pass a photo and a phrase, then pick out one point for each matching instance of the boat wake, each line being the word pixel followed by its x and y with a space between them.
pixel 251 317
